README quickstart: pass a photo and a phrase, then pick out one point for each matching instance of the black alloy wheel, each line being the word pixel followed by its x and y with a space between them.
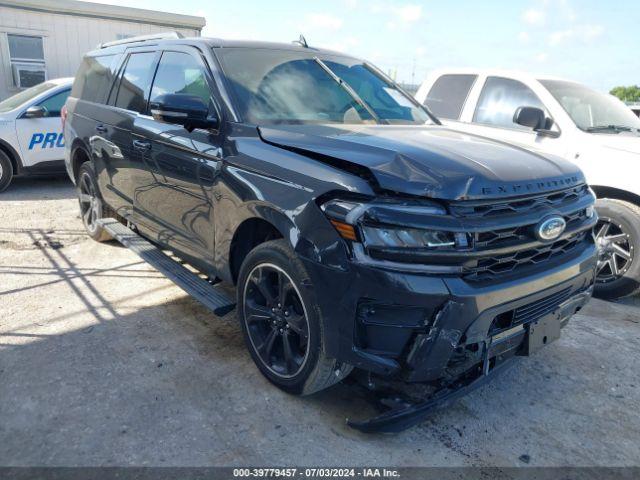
pixel 276 320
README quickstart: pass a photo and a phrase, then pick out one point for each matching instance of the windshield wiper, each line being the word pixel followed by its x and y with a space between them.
pixel 610 128
pixel 347 88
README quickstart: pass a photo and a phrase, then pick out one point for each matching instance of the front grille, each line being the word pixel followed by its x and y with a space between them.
pixel 499 240
pixel 509 236
pixel 529 312
pixel 490 267
pixel 513 250
pixel 540 308
pixel 491 209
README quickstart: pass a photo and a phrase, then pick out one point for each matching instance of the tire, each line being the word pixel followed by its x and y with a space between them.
pixel 6 171
pixel 92 207
pixel 270 262
pixel 621 236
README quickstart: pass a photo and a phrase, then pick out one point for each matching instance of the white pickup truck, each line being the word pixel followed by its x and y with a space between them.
pixel 31 141
pixel 553 116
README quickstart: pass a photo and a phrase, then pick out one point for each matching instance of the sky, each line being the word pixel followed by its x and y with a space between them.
pixel 593 42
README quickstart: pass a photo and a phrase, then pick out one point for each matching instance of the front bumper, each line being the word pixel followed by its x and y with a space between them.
pixel 423 328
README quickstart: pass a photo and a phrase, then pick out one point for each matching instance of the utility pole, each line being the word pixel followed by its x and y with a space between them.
pixel 413 72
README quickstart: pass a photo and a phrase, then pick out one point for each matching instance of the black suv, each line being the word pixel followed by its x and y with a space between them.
pixel 359 231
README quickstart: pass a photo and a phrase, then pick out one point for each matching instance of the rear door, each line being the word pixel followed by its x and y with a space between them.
pixel 41 138
pixel 122 164
pixel 176 198
pixel 448 95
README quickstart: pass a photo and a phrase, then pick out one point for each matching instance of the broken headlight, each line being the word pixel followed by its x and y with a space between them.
pixel 406 237
pixel 378 225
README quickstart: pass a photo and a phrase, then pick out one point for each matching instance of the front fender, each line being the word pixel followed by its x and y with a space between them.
pixel 606 167
pixel 288 207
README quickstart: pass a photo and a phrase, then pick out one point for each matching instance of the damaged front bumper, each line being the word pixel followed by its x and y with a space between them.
pixel 423 328
pixel 499 352
pixel 443 331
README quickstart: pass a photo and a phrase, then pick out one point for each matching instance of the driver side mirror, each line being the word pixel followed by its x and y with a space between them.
pixel 36 111
pixel 183 109
pixel 534 118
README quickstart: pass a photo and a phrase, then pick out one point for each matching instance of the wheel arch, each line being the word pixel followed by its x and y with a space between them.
pixel 14 156
pixel 79 155
pixel 253 231
pixel 616 194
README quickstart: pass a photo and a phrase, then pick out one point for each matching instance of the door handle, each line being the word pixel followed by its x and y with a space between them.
pixel 141 145
pixel 101 129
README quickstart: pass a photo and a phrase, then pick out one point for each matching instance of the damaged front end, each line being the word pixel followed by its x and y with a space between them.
pixel 440 297
pixel 405 402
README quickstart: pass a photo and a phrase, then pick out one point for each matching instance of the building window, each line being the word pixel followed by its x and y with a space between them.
pixel 27 60
pixel 22 47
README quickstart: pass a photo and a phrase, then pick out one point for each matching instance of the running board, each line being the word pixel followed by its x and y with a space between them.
pixel 211 297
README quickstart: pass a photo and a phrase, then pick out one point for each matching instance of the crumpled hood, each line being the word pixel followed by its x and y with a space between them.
pixel 431 161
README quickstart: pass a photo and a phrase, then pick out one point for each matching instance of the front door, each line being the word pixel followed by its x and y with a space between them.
pixel 41 138
pixel 176 198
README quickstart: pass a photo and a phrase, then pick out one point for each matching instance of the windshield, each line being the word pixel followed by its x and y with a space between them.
pixel 18 99
pixel 591 110
pixel 281 86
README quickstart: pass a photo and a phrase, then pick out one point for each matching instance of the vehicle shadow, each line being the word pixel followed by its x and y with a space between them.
pixel 117 383
pixel 632 301
pixel 57 187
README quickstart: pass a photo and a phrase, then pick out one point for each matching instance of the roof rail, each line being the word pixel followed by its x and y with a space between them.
pixel 142 38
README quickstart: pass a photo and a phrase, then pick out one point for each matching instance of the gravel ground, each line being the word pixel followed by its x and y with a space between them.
pixel 103 361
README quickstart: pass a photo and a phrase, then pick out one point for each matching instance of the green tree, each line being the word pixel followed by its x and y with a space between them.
pixel 627 94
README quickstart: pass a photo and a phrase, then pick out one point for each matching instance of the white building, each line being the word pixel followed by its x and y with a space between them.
pixel 42 39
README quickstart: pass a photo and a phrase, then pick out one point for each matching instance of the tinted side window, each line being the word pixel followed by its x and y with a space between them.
pixel 500 99
pixel 448 94
pixel 180 73
pixel 136 82
pixel 94 79
pixel 53 105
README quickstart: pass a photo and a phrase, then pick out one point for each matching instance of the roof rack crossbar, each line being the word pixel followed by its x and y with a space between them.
pixel 142 38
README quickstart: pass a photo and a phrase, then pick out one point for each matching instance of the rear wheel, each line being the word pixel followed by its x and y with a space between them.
pixel 618 238
pixel 6 171
pixel 281 322
pixel 92 208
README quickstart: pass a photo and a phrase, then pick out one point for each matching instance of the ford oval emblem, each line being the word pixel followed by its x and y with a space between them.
pixel 550 228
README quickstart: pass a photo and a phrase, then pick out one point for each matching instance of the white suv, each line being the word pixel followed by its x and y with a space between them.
pixel 554 116
pixel 31 141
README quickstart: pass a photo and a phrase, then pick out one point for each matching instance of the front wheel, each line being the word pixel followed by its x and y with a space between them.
pixel 281 321
pixel 618 238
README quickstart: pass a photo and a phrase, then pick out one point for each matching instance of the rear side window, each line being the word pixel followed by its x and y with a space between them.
pixel 136 82
pixel 499 100
pixel 94 79
pixel 447 96
pixel 180 73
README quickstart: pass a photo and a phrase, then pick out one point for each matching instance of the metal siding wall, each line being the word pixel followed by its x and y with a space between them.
pixel 66 39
